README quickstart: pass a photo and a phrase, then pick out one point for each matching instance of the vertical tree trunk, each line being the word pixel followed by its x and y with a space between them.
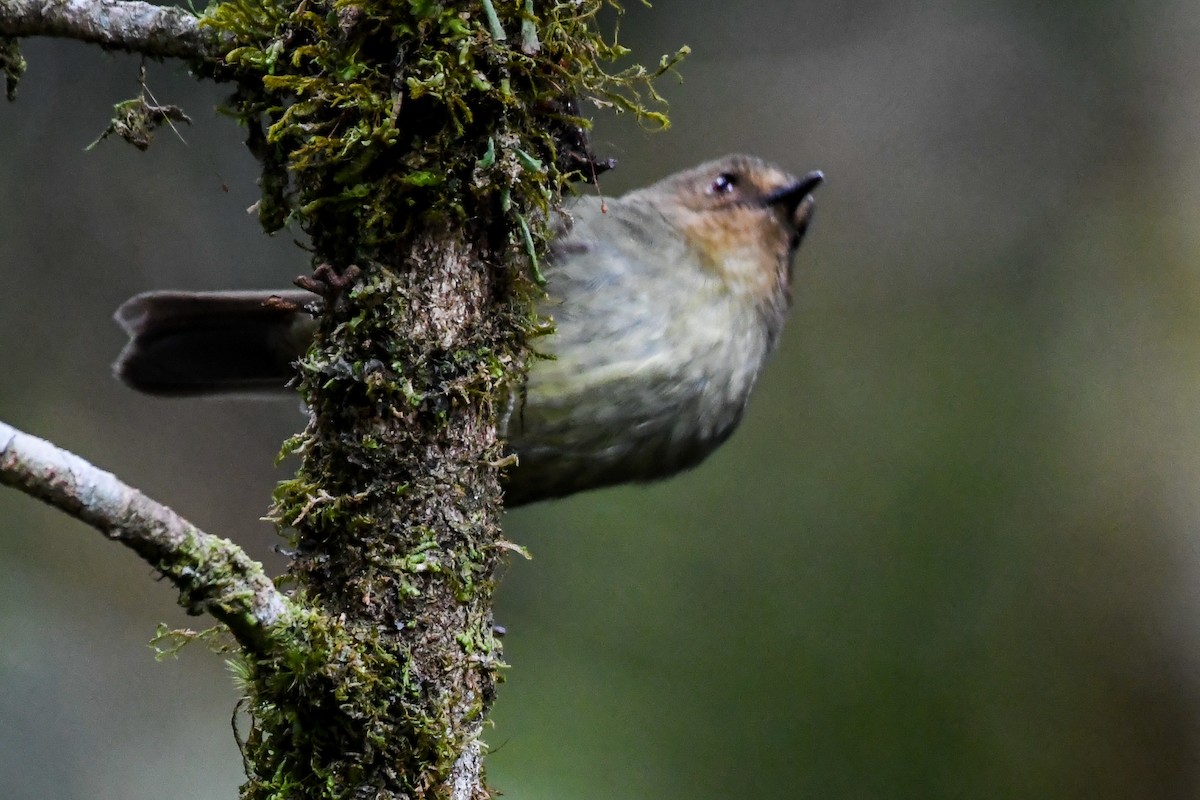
pixel 397 531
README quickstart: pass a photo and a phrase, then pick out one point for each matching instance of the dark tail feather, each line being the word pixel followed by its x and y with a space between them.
pixel 190 343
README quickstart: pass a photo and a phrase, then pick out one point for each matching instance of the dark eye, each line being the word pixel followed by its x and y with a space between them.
pixel 725 183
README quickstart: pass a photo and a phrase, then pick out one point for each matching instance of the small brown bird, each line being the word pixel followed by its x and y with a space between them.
pixel 666 303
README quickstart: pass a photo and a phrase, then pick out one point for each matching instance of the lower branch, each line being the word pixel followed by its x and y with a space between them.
pixel 160 31
pixel 213 575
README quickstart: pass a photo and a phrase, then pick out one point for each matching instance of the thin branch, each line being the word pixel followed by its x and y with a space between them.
pixel 213 575
pixel 160 31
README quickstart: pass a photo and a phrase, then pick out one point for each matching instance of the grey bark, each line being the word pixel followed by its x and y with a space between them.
pixel 161 31
pixel 213 575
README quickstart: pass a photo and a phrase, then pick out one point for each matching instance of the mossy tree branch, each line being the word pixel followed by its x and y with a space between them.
pixel 161 31
pixel 422 146
pixel 212 575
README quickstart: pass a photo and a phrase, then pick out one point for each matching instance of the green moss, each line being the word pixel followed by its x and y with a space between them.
pixel 168 641
pixel 137 120
pixel 12 66
pixel 331 691
pixel 376 106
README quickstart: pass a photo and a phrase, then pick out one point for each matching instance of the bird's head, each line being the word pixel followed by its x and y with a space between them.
pixel 744 219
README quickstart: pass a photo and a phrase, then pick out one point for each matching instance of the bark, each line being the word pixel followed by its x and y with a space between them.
pixel 404 552
pixel 162 31
pixel 213 575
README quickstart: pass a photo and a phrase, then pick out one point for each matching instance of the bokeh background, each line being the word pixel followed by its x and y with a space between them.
pixel 952 551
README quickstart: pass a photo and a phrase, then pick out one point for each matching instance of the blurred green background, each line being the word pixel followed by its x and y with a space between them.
pixel 952 551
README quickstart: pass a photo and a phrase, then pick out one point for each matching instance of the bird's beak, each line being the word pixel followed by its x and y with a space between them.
pixel 796 200
pixel 789 197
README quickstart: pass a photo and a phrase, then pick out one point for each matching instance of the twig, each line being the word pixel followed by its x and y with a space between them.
pixel 160 31
pixel 213 575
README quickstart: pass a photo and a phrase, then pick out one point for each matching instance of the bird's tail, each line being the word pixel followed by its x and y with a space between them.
pixel 195 343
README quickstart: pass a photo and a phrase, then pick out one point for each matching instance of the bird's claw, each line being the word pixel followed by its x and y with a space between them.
pixel 329 283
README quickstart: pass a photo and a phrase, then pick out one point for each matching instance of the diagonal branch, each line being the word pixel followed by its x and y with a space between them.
pixel 213 575
pixel 160 31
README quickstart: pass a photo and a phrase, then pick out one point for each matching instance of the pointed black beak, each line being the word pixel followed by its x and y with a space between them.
pixel 790 197
pixel 796 203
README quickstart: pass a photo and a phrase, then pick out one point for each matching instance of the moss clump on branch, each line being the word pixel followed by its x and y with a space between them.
pixel 335 686
pixel 376 107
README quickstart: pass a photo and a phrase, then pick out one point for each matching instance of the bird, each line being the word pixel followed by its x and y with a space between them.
pixel 666 303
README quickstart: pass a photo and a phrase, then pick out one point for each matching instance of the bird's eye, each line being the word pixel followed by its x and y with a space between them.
pixel 725 183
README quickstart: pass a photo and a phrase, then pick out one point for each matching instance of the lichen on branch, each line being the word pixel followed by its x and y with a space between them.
pixel 132 25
